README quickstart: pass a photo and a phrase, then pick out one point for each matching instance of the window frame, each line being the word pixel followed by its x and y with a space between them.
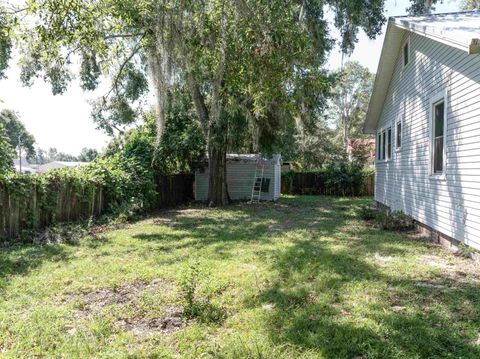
pixel 399 120
pixel 379 145
pixel 434 101
pixel 409 53
pixel 383 155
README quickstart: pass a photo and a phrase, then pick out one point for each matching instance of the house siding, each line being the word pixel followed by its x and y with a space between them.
pixel 240 181
pixel 450 205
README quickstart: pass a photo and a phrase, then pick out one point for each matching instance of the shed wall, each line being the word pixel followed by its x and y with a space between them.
pixel 450 205
pixel 240 181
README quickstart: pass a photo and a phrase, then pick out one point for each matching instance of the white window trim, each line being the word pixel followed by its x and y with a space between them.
pixel 380 131
pixel 407 41
pixel 440 96
pixel 399 119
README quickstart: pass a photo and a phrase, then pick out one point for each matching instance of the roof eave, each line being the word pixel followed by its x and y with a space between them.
pixel 388 47
pixel 392 42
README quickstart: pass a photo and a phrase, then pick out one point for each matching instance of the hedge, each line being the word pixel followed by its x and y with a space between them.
pixel 342 180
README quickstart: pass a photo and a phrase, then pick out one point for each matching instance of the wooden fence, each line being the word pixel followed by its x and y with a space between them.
pixel 18 213
pixel 313 183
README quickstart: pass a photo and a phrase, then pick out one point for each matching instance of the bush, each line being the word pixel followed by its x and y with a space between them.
pixel 395 221
pixel 368 213
pixel 117 186
pixel 343 179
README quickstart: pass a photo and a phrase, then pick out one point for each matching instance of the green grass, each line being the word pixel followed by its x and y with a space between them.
pixel 303 278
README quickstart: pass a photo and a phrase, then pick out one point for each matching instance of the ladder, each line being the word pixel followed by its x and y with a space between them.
pixel 258 181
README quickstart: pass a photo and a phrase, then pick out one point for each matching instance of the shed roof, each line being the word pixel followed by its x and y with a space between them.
pixel 247 158
pixel 460 30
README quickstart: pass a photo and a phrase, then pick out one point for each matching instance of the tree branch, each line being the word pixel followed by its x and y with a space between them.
pixel 122 66
pixel 124 36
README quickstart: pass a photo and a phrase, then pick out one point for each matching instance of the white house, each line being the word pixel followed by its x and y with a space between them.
pixel 425 112
pixel 242 171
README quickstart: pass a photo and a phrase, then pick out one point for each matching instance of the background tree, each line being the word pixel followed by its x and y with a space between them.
pixel 19 137
pixel 54 155
pixel 40 157
pixel 351 96
pixel 6 152
pixel 470 5
pixel 422 7
pixel 181 147
pixel 87 155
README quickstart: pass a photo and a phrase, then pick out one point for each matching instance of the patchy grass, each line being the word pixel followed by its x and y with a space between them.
pixel 301 278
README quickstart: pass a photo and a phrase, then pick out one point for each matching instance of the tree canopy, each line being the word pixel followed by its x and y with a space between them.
pixel 351 96
pixel 6 152
pixel 258 61
pixel 87 155
pixel 16 132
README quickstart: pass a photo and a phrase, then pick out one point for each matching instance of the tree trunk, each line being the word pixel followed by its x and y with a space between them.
pixel 217 130
pixel 346 136
pixel 217 177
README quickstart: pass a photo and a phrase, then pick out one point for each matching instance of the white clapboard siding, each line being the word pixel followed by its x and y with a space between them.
pixel 450 205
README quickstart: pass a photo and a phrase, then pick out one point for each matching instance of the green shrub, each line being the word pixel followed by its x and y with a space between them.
pixel 368 213
pixel 395 221
pixel 341 179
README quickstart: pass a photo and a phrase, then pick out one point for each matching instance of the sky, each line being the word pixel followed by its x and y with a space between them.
pixel 64 121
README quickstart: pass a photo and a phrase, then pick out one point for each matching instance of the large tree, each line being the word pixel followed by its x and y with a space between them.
pixel 20 139
pixel 232 55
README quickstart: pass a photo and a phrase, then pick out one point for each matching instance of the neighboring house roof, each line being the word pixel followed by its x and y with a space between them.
pixel 460 30
pixel 70 164
pixel 60 164
pixel 25 166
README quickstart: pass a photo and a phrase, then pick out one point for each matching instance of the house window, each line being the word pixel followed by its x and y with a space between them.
pixel 389 143
pixel 379 146
pixel 438 137
pixel 406 53
pixel 384 144
pixel 398 134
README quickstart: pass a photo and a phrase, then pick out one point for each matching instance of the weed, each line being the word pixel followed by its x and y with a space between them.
pixel 368 213
pixel 197 294
pixel 466 251
pixel 394 221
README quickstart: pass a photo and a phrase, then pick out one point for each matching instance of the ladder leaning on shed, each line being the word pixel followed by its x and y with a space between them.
pixel 258 181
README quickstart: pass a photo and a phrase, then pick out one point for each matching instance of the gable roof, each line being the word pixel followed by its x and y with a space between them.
pixel 460 30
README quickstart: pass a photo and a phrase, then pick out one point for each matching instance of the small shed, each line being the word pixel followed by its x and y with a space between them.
pixel 242 170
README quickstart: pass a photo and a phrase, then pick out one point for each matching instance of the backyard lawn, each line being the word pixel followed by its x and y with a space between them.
pixel 302 278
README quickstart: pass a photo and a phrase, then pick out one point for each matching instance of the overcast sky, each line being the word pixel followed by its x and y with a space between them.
pixel 64 121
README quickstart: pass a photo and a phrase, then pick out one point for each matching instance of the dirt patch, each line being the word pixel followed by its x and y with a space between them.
pixel 170 322
pixel 455 269
pixel 133 315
